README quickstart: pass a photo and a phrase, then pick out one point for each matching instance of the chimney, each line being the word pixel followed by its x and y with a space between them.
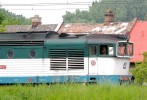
pixel 109 17
pixel 36 20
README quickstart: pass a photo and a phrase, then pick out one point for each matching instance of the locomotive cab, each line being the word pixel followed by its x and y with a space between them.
pixel 109 58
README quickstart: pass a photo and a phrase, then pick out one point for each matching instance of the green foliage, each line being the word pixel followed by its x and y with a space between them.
pixel 124 10
pixel 73 92
pixel 1 17
pixel 8 18
pixel 78 16
pixel 2 28
pixel 13 19
pixel 140 71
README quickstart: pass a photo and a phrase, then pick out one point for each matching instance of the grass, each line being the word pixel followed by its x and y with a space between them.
pixel 73 92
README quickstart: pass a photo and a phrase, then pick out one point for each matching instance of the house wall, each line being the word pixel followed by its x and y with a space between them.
pixel 138 36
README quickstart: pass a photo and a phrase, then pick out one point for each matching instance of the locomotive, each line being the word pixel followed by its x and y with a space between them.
pixel 49 57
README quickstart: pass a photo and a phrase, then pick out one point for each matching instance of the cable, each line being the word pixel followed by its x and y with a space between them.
pixel 48 4
pixel 67 4
pixel 73 3
pixel 50 9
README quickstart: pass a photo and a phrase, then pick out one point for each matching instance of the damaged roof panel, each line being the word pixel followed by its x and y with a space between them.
pixel 112 28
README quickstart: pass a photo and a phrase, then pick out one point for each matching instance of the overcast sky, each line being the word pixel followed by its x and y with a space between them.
pixel 50 14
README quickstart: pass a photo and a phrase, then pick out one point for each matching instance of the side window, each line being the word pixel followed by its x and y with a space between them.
pixel 92 50
pixel 111 50
pixel 103 49
pixel 10 53
pixel 32 53
pixel 107 50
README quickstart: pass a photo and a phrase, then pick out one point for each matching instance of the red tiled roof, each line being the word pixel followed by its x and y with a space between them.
pixel 138 36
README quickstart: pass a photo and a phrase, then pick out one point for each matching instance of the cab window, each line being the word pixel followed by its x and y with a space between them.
pixel 106 50
pixel 103 50
pixel 125 49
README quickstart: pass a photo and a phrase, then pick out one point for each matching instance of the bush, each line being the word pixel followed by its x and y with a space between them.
pixel 140 71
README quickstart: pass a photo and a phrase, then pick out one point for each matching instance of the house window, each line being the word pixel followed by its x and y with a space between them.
pixel 10 53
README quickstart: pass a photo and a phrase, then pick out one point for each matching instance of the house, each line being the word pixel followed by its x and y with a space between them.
pixel 36 26
pixel 108 27
pixel 138 35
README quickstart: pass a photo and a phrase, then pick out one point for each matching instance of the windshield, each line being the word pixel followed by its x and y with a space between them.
pixel 124 49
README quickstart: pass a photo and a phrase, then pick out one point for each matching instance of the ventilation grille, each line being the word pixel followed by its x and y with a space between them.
pixel 58 59
pixel 21 43
pixel 63 59
pixel 75 59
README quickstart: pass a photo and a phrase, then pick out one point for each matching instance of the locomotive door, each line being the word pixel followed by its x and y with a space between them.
pixel 92 60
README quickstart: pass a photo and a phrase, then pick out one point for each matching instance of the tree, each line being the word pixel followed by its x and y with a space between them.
pixel 140 71
pixel 1 17
pixel 8 18
pixel 78 16
pixel 125 10
pixel 1 20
